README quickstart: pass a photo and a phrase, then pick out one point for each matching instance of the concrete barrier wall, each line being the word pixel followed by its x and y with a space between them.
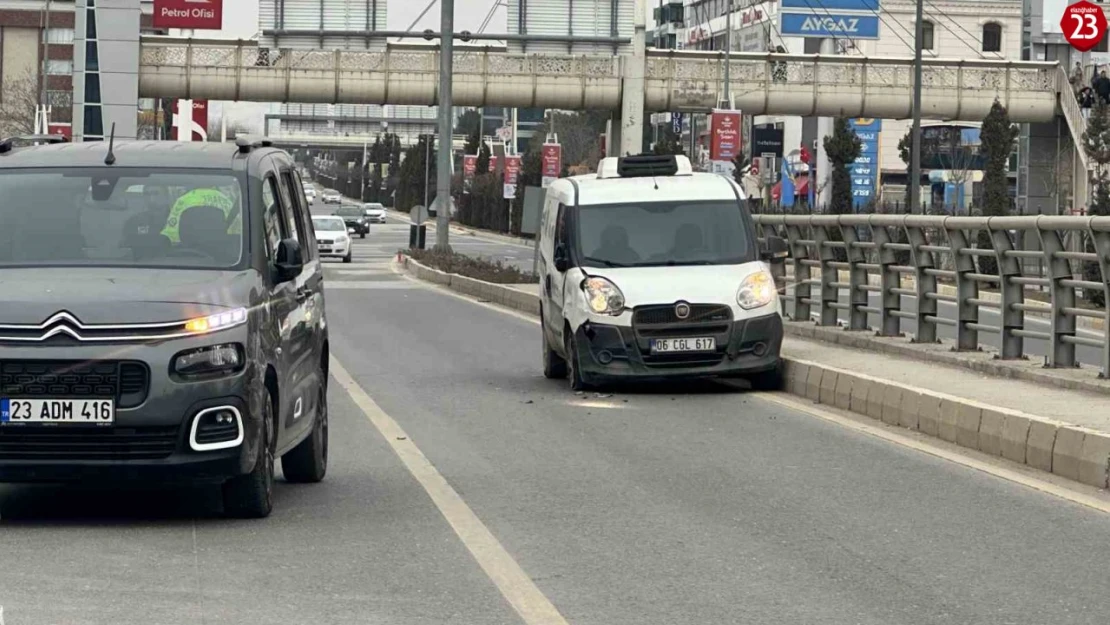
pixel 1069 451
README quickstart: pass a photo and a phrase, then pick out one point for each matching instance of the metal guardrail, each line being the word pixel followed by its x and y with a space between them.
pixel 915 255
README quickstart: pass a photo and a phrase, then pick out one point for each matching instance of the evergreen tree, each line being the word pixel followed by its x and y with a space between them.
pixel 905 147
pixel 1096 143
pixel 473 143
pixel 996 143
pixel 842 147
pixel 483 158
pixel 669 143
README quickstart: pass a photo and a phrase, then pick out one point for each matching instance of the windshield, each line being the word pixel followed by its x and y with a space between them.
pixel 328 224
pixel 662 233
pixel 374 207
pixel 120 217
pixel 348 212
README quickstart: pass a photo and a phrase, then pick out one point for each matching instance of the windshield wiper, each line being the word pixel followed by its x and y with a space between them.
pixel 678 263
pixel 607 263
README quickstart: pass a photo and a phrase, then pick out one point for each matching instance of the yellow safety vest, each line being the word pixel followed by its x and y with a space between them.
pixel 199 197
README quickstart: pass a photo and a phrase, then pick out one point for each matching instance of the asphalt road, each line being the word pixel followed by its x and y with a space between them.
pixel 674 504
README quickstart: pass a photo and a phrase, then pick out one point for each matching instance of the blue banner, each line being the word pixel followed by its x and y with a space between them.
pixel 676 123
pixel 840 25
pixel 811 6
pixel 787 188
pixel 865 169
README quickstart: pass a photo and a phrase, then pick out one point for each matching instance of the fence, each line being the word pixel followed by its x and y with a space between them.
pixel 892 269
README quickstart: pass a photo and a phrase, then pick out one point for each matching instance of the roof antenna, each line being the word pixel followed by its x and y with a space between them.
pixel 111 158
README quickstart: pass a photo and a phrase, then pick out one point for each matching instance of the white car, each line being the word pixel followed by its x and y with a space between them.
pixel 332 240
pixel 331 196
pixel 310 194
pixel 650 271
pixel 374 212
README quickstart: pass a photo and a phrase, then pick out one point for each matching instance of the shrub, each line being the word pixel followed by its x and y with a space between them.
pixel 478 268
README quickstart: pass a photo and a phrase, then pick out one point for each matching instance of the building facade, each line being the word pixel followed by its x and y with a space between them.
pixel 36 61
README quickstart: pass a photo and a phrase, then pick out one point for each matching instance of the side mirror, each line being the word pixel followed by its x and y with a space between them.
pixel 290 260
pixel 775 250
pixel 561 262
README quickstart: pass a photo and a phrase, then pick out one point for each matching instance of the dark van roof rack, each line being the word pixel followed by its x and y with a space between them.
pixel 246 143
pixel 6 145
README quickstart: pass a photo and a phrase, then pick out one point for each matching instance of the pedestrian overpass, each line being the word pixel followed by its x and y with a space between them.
pixel 780 84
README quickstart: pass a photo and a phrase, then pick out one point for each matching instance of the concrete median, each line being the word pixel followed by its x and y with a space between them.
pixel 1071 451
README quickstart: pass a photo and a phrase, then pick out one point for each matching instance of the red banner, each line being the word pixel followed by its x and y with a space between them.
pixel 200 14
pixel 552 160
pixel 724 142
pixel 198 117
pixel 470 165
pixel 65 130
pixel 512 174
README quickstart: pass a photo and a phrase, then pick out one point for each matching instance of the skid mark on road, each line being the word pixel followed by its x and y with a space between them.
pixel 515 585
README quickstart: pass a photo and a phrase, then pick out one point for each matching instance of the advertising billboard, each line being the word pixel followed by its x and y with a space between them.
pixel 198 14
pixel 846 19
pixel 724 142
pixel 865 169
pixel 512 173
pixel 552 156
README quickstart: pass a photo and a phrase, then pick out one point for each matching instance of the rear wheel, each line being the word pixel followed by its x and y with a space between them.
pixel 554 367
pixel 362 235
pixel 251 496
pixel 308 461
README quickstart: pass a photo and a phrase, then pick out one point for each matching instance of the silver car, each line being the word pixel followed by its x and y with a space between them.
pixel 374 212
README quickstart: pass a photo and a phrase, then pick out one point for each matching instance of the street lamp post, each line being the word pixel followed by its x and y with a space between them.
pixel 915 146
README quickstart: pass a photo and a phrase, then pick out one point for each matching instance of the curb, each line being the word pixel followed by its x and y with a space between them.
pixel 1069 451
pixel 981 362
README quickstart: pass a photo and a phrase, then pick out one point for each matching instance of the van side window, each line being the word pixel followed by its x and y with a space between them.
pixel 287 209
pixel 271 217
pixel 306 222
pixel 294 213
pixel 561 225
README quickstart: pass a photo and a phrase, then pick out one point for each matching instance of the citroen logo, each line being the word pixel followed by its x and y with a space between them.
pixel 682 310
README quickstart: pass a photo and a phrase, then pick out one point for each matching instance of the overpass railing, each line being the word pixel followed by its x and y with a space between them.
pixel 954 272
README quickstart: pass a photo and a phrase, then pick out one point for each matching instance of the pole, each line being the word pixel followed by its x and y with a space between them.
pixel 443 171
pixel 632 93
pixel 915 147
pixel 728 52
pixel 427 168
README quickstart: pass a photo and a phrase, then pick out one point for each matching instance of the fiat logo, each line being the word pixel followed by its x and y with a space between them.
pixel 682 310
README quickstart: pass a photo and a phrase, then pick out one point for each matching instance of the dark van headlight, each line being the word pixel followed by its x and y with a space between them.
pixel 217 359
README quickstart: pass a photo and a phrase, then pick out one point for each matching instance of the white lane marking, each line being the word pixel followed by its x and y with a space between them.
pixel 1026 476
pixel 515 585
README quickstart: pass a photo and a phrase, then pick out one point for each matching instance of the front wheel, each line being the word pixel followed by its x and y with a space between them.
pixel 554 367
pixel 308 462
pixel 769 380
pixel 347 258
pixel 251 496
pixel 578 381
pixel 362 235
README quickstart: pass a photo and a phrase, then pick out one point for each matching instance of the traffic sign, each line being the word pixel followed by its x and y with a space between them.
pixel 1084 25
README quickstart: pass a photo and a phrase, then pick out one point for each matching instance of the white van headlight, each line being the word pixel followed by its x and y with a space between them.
pixel 603 296
pixel 756 290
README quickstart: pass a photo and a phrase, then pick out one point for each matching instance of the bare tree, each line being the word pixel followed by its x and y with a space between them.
pixel 19 99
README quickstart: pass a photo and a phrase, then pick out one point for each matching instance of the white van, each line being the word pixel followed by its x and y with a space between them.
pixel 650 270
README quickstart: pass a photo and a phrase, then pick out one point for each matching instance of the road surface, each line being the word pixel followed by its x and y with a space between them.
pixel 675 504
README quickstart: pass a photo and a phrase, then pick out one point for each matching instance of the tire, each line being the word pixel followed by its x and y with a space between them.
pixel 578 382
pixel 769 380
pixel 307 463
pixel 554 367
pixel 362 235
pixel 347 258
pixel 251 496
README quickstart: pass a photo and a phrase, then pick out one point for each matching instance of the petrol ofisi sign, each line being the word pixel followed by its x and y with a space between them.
pixel 197 14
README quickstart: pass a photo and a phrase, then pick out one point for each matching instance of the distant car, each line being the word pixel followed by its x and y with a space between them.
pixel 331 238
pixel 331 196
pixel 356 222
pixel 310 194
pixel 374 212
